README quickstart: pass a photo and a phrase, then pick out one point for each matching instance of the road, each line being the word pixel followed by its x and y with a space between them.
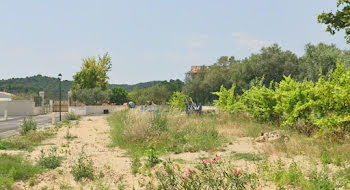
pixel 10 127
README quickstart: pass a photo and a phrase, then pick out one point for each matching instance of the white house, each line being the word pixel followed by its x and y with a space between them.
pixel 5 96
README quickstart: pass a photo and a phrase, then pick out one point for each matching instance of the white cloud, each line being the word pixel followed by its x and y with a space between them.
pixel 246 41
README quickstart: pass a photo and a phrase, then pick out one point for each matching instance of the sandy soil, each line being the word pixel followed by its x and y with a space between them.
pixel 92 135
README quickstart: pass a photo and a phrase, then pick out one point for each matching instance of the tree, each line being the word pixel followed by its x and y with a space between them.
pixel 340 20
pixel 93 73
pixel 118 96
pixel 91 96
pixel 318 59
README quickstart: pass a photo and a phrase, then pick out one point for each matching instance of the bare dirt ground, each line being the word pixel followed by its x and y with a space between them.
pixel 92 135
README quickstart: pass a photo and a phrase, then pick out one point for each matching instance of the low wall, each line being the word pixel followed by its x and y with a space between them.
pixel 20 108
pixel 90 110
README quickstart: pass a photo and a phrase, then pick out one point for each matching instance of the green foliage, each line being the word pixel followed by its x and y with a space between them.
pixel 159 93
pixel 29 124
pixel 338 20
pixel 51 160
pixel 307 107
pixel 247 156
pixel 93 73
pixel 83 168
pixel 320 181
pixel 326 157
pixel 169 132
pixel 119 96
pixel 71 117
pixel 152 156
pixel 259 101
pixel 93 96
pixel 15 167
pixel 210 174
pixel 177 101
pixel 227 98
pixel 135 165
pixel 32 138
pixel 32 85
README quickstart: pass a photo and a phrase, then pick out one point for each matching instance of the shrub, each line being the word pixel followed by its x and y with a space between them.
pixel 29 124
pixel 178 101
pixel 83 168
pixel 119 96
pixel 91 96
pixel 320 109
pixel 210 174
pixel 50 161
pixel 71 117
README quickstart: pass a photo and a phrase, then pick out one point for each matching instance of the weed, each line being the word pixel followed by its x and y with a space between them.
pixel 69 136
pixel 169 132
pixel 135 166
pixel 153 159
pixel 29 124
pixel 246 156
pixel 52 160
pixel 326 157
pixel 319 181
pixel 100 185
pixel 83 168
pixel 15 167
pixel 32 138
pixel 71 117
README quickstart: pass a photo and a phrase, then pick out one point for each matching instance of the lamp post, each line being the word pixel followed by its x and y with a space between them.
pixel 59 82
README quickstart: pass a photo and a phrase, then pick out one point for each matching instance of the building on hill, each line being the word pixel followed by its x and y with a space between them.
pixel 5 96
pixel 196 69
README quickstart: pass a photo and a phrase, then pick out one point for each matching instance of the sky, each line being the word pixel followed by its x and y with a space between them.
pixel 153 39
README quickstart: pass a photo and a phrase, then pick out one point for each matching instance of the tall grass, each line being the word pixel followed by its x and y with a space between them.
pixel 15 167
pixel 168 131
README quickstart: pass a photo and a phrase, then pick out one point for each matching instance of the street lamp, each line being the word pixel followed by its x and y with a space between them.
pixel 59 82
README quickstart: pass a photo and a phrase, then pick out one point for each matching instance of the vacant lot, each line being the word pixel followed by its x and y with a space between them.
pixel 168 150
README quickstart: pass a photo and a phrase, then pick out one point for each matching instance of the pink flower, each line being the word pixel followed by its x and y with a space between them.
pixel 235 172
pixel 153 169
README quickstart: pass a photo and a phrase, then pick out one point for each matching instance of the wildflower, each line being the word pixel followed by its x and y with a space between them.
pixel 235 172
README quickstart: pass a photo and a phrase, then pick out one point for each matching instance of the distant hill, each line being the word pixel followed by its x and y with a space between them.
pixel 34 84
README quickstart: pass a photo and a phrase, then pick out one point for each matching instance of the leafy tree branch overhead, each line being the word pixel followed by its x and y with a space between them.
pixel 339 20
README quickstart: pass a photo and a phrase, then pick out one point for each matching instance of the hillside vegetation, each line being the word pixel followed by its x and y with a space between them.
pixel 33 84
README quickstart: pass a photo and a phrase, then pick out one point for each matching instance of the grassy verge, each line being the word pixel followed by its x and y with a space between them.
pixel 138 132
pixel 15 167
pixel 25 142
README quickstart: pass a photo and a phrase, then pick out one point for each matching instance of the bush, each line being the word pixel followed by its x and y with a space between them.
pixel 52 160
pixel 83 168
pixel 119 96
pixel 91 96
pixel 71 117
pixel 29 124
pixel 178 101
pixel 320 109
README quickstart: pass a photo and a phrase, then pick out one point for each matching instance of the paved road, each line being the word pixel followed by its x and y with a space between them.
pixel 10 127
